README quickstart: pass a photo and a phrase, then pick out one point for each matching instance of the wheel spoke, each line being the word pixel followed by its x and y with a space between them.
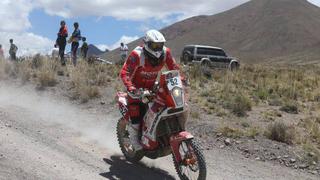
pixel 125 143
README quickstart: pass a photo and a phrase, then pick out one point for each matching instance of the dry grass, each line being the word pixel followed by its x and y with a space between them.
pixel 46 74
pixel 43 74
pixel 5 69
pixel 239 105
pixel 312 153
pixel 260 84
pixel 86 80
pixel 9 70
pixel 253 132
pixel 231 132
pixel 25 72
pixel 291 89
pixel 278 131
pixel 312 129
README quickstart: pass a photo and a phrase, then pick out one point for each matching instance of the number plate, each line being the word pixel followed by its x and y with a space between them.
pixel 174 82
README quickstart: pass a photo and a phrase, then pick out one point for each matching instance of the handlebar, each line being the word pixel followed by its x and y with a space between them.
pixel 144 95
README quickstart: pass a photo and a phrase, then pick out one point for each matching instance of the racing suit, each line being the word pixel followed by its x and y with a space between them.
pixel 137 72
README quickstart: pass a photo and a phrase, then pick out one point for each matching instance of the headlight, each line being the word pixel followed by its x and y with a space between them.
pixel 177 95
pixel 176 92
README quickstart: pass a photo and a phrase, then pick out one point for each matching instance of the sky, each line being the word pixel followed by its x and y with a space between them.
pixel 33 24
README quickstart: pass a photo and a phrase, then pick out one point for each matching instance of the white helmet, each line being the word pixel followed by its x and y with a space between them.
pixel 154 44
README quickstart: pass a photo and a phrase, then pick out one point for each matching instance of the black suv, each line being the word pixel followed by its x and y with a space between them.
pixel 208 57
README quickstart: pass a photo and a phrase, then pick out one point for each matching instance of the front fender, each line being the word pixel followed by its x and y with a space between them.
pixel 234 61
pixel 205 59
pixel 176 140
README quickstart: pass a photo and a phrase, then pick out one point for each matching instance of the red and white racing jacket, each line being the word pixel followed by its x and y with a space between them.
pixel 137 72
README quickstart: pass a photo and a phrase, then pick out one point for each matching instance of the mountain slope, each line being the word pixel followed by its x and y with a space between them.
pixel 93 50
pixel 254 31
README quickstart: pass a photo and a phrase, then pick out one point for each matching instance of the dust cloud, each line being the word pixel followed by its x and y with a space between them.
pixel 96 127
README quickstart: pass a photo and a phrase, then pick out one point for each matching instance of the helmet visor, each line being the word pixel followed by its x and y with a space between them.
pixel 156 46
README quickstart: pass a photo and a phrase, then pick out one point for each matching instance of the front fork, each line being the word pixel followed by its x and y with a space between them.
pixel 175 142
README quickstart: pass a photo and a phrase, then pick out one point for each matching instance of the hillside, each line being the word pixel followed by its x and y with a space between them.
pixel 255 31
pixel 94 51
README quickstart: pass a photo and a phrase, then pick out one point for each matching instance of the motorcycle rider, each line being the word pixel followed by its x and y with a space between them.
pixel 141 70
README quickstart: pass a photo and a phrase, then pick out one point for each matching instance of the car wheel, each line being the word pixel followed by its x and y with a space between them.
pixel 205 68
pixel 186 58
pixel 234 66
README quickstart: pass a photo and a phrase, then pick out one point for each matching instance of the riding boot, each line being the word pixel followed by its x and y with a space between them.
pixel 133 130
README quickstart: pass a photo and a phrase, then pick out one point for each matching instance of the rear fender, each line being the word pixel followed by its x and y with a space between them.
pixel 175 141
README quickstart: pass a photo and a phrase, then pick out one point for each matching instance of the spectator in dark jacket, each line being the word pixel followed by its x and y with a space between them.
pixel 13 51
pixel 62 41
pixel 84 48
pixel 75 38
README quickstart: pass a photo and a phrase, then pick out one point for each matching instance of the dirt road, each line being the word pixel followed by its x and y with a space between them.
pixel 42 137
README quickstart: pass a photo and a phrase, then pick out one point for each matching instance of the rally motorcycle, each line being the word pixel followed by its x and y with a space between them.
pixel 168 129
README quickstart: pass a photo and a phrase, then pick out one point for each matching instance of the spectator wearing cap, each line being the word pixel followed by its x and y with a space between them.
pixel 123 52
pixel 62 41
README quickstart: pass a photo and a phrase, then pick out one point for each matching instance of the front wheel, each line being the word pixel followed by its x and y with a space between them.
pixel 193 164
pixel 234 66
pixel 125 143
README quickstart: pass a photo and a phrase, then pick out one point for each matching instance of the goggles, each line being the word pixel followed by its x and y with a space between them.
pixel 156 46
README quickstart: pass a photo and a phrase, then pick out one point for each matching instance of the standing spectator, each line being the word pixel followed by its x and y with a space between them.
pixel 123 52
pixel 55 53
pixel 13 51
pixel 84 48
pixel 1 53
pixel 62 41
pixel 75 38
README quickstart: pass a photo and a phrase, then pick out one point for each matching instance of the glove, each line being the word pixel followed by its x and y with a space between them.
pixel 133 92
pixel 132 89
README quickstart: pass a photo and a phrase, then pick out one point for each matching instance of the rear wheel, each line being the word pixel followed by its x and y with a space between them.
pixel 125 143
pixel 205 68
pixel 186 59
pixel 193 164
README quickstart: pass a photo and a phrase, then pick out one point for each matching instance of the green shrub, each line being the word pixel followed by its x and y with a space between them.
pixel 290 108
pixel 263 94
pixel 240 104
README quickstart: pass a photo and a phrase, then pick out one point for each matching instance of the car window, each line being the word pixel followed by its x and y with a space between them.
pixel 189 49
pixel 210 51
